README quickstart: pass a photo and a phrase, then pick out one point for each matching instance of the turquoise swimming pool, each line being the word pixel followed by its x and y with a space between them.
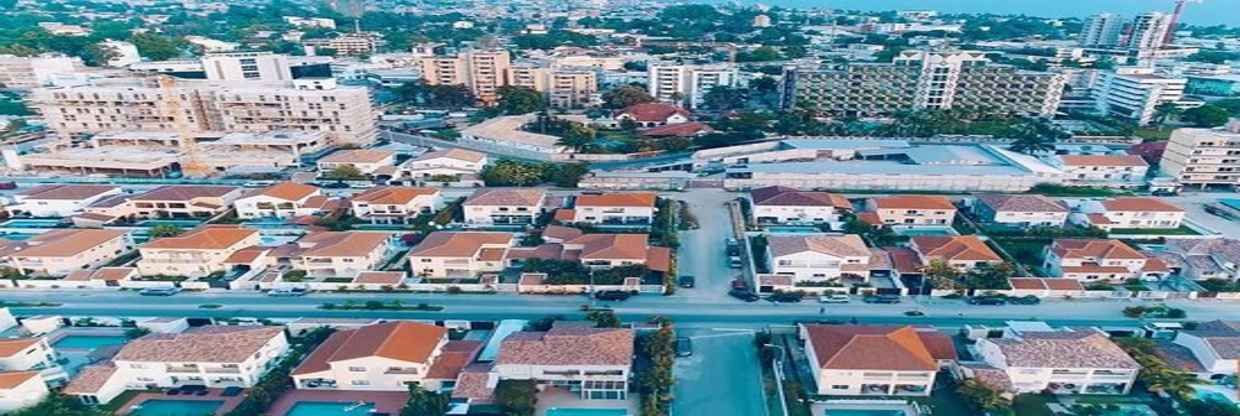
pixel 792 229
pixel 161 407
pixel 586 412
pixel 89 341
pixel 31 223
pixel 329 409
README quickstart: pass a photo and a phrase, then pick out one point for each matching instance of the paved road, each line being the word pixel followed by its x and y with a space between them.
pixel 721 378
pixel 702 251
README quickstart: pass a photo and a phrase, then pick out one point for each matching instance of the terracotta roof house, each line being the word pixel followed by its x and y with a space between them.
pixel 783 205
pixel 897 360
pixel 1090 260
pixel 601 358
pixel 21 389
pixel 282 200
pixel 504 206
pixel 20 354
pixel 366 161
pixel 447 162
pixel 654 114
pixel 1206 258
pixel 1113 171
pixel 1128 213
pixel 689 129
pixel 336 253
pixel 57 200
pixel 961 251
pixel 913 210
pixel 198 252
pixel 395 204
pixel 170 201
pixel 596 251
pixel 225 356
pixel 1061 362
pixel 1023 210
pixel 618 208
pixel 444 254
pixel 60 252
pixel 383 357
pixel 818 258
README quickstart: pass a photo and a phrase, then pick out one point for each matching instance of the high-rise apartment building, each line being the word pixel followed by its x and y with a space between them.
pixel 351 44
pixel 343 113
pixel 924 80
pixel 1148 31
pixel 24 72
pixel 688 83
pixel 1204 157
pixel 247 66
pixel 482 71
pixel 564 87
pixel 1102 30
pixel 1134 93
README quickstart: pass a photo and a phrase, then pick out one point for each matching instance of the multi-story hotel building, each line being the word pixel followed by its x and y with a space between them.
pixel 929 80
pixel 1204 157
pixel 343 113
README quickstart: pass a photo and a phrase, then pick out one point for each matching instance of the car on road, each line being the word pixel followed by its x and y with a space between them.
pixel 786 297
pixel 684 347
pixel 686 281
pixel 734 247
pixel 734 262
pixel 258 184
pixel 287 292
pixel 914 313
pixel 334 185
pixel 1025 300
pixel 836 298
pixel 881 299
pixel 737 283
pixel 8 185
pixel 744 295
pixel 987 300
pixel 160 291
pixel 612 295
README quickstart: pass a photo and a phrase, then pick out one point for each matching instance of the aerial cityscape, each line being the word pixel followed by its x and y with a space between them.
pixel 619 208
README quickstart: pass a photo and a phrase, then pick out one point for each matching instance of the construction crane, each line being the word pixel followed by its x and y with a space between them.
pixel 191 164
pixel 1175 20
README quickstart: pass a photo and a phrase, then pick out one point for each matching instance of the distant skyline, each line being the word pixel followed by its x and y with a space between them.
pixel 1209 12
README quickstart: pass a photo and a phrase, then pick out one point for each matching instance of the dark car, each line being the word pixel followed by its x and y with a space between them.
pixel 987 300
pixel 743 294
pixel 739 284
pixel 612 295
pixel 1025 300
pixel 684 347
pixel 7 185
pixel 160 291
pixel 334 185
pixel 686 281
pixel 881 299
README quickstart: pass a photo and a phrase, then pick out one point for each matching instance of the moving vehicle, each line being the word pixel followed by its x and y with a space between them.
pixel 987 300
pixel 287 292
pixel 836 298
pixel 684 347
pixel 686 282
pixel 334 185
pixel 160 291
pixel 881 299
pixel 612 295
pixel 744 295
pixel 1025 300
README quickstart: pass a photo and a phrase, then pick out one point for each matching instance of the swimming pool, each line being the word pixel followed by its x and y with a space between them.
pixel 586 412
pixel 792 229
pixel 329 409
pixel 89 341
pixel 31 223
pixel 924 231
pixel 161 407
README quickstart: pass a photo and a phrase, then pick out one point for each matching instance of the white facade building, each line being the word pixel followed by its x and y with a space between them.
pixel 818 258
pixel 1134 93
pixel 1084 362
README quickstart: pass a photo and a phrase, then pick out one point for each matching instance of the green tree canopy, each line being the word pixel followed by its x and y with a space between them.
pixel 520 100
pixel 625 96
pixel 1206 116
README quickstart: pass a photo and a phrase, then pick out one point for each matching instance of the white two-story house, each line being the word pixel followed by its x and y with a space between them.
pixel 1213 345
pixel 446 254
pixel 593 362
pixel 395 204
pixel 818 258
pixel 365 161
pixel 615 208
pixel 783 205
pixel 912 210
pixel 211 356
pixel 1090 260
pixel 864 360
pixel 21 389
pixel 21 354
pixel 1062 362
pixel 336 253
pixel 1111 171
pixel 444 163
pixel 504 206
pixel 60 252
pixel 964 252
pixel 282 200
pixel 385 357
pixel 58 200
pixel 1128 213
pixel 196 253
pixel 1024 210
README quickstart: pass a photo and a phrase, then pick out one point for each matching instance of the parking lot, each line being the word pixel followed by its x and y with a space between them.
pixel 721 378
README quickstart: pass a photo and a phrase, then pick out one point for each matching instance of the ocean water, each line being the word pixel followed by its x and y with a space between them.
pixel 1208 12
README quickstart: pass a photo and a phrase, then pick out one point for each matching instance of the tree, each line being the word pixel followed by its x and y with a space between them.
pixel 100 54
pixel 156 47
pixel 989 276
pixel 941 275
pixel 656 381
pixel 625 96
pixel 982 397
pixel 165 230
pixel 724 98
pixel 345 172
pixel 1165 112
pixel 517 397
pixel 568 175
pixel 425 403
pixel 577 137
pixel 603 318
pixel 512 173
pixel 520 100
pixel 1206 116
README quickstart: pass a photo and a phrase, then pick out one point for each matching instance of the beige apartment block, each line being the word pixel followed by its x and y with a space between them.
pixel 482 71
pixel 196 253
pixel 1204 157
pixel 564 87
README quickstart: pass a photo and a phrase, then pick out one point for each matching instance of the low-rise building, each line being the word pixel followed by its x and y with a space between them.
pixel 21 389
pixel 504 206
pixel 852 360
pixel 21 354
pixel 593 362
pixel 57 200
pixel 1091 260
pixel 819 258
pixel 63 251
pixel 171 201
pixel 913 210
pixel 1213 346
pixel 1084 362
pixel 783 205
pixel 1021 210
pixel 395 204
pixel 212 356
pixel 1110 171
pixel 964 252
pixel 198 252
pixel 366 161
pixel 282 200
pixel 1128 213
pixel 446 254
pixel 615 208
pixel 654 114
pixel 444 163
pixel 1206 258
pixel 336 253
pixel 390 356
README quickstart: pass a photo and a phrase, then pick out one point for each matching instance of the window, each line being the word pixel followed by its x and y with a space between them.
pixel 360 382
pixel 357 369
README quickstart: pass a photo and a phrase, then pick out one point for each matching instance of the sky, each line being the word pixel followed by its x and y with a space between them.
pixel 1208 12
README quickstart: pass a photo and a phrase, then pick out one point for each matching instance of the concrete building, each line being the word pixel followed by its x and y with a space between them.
pixel 482 71
pixel 1020 210
pixel 26 72
pixel 1106 171
pixel 1128 213
pixel 504 206
pixel 564 87
pixel 1134 93
pixel 395 204
pixel 345 44
pixel 209 45
pixel 310 22
pixel 1148 31
pixel 687 84
pixel 63 251
pixel 247 66
pixel 125 53
pixel 1084 362
pixel 853 360
pixel 782 205
pixel 57 201
pixel 196 253
pixel 917 79
pixel 818 258
pixel 614 208
pixel 1101 30
pixel 343 113
pixel 506 135
pixel 444 254
pixel 1204 157
pixel 390 356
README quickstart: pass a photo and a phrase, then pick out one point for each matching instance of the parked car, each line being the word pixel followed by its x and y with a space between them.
pixel 734 262
pixel 739 284
pixel 734 247
pixel 334 185
pixel 881 299
pixel 987 300
pixel 160 291
pixel 8 185
pixel 684 347
pixel 686 281
pixel 914 313
pixel 612 295
pixel 258 184
pixel 1025 300
pixel 836 298
pixel 744 295
pixel 785 297
pixel 287 292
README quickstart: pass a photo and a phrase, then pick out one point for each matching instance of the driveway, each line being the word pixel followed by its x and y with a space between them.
pixel 702 251
pixel 721 378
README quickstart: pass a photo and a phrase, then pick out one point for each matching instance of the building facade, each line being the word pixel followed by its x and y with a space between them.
pixel 1204 157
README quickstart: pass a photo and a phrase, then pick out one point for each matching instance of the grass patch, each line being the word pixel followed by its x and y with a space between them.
pixel 1153 134
pixel 1078 191
pixel 1183 230
pixel 210 306
pixel 1027 252
pixel 12 304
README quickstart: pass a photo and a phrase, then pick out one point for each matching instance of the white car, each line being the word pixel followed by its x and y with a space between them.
pixel 833 299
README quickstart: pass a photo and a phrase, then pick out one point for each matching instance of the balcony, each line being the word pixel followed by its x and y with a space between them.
pixel 222 370
pixel 181 369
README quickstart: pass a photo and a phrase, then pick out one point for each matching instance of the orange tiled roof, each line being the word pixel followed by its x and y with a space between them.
pixel 959 247
pixel 914 202
pixel 618 199
pixel 1072 248
pixel 358 156
pixel 852 347
pixel 405 341
pixel 458 244
pixel 8 347
pixel 64 242
pixel 207 344
pixel 12 379
pixel 1139 204
pixel 204 238
pixel 393 195
pixel 288 191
